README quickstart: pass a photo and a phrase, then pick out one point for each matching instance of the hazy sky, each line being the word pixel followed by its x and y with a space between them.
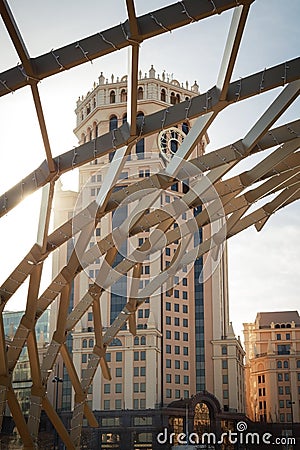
pixel 263 267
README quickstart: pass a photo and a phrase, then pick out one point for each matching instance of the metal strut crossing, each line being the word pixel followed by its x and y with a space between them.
pixel 277 174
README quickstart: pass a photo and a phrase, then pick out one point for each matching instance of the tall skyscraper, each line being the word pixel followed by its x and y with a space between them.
pixel 185 345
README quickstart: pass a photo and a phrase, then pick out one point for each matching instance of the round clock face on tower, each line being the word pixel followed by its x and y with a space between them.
pixel 169 141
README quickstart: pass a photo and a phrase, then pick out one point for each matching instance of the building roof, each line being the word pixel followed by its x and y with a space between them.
pixel 264 319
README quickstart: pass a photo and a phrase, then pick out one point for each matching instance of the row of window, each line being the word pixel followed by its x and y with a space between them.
pixel 280 337
pixel 138 403
pixel 185 336
pixel 173 99
pixel 176 292
pixel 137 387
pixel 176 321
pixel 185 350
pixel 186 379
pixel 177 393
pixel 176 307
pixel 177 364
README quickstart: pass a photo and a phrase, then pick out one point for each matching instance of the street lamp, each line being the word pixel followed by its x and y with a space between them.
pixel 56 380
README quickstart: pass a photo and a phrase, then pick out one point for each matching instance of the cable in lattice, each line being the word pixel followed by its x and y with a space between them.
pixel 292 131
pixel 74 156
pixel 4 83
pixel 114 139
pixel 261 85
pixel 185 11
pixel 214 7
pixel 127 37
pixel 163 121
pixel 56 57
pixel 273 137
pixel 286 67
pixel 238 93
pixel 232 147
pixel 208 98
pixel 27 77
pixel 159 23
pixel 187 109
pixel 108 42
pixel 84 52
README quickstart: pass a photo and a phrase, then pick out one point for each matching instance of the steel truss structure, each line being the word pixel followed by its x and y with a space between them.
pixel 278 174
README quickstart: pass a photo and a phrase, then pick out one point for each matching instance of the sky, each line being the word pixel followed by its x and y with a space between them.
pixel 263 267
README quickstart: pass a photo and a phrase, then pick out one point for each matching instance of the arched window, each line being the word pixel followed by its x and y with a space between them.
pixel 277 325
pixel 201 418
pixel 174 142
pixel 140 146
pixel 185 127
pixel 88 109
pixel 279 364
pixel 112 97
pixel 84 343
pixel 91 343
pixel 177 98
pixel 143 340
pixel 224 350
pixel 94 102
pixel 140 95
pixel 288 325
pixel 123 95
pixel 95 130
pixel 163 95
pixel 282 325
pixel 286 364
pixel 136 341
pixel 115 343
pixel 172 98
pixel 82 115
pixel 83 138
pixel 89 134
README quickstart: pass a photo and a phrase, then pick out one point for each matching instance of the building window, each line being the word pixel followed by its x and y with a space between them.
pixel 118 404
pixel 176 321
pixel 185 309
pixel 142 387
pixel 279 364
pixel 279 377
pixel 172 98
pixel 176 293
pixel 177 379
pixel 106 388
pixel 84 358
pixel 280 390
pixel 169 393
pixel 136 371
pixel 84 343
pixel 112 97
pixel 168 334
pixel 185 365
pixel 136 356
pixel 225 379
pixel 185 351
pixel 278 337
pixel 118 356
pixel 106 404
pixel 186 379
pixel 91 343
pixel 176 307
pixel 224 350
pixel 135 387
pixel 140 93
pixel 168 364
pixel 177 364
pixel 225 393
pixel 286 377
pixel 168 320
pixel 142 371
pixel 123 96
pixel 168 378
pixel 177 393
pixel 163 95
pixel 177 350
pixel 168 348
pixel 143 356
pixel 185 337
pixel 118 388
pixel 224 364
pixel 184 295
pixel 177 335
pixel 118 371
pixel 281 403
pixel 288 336
pixel 168 306
pixel 286 364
